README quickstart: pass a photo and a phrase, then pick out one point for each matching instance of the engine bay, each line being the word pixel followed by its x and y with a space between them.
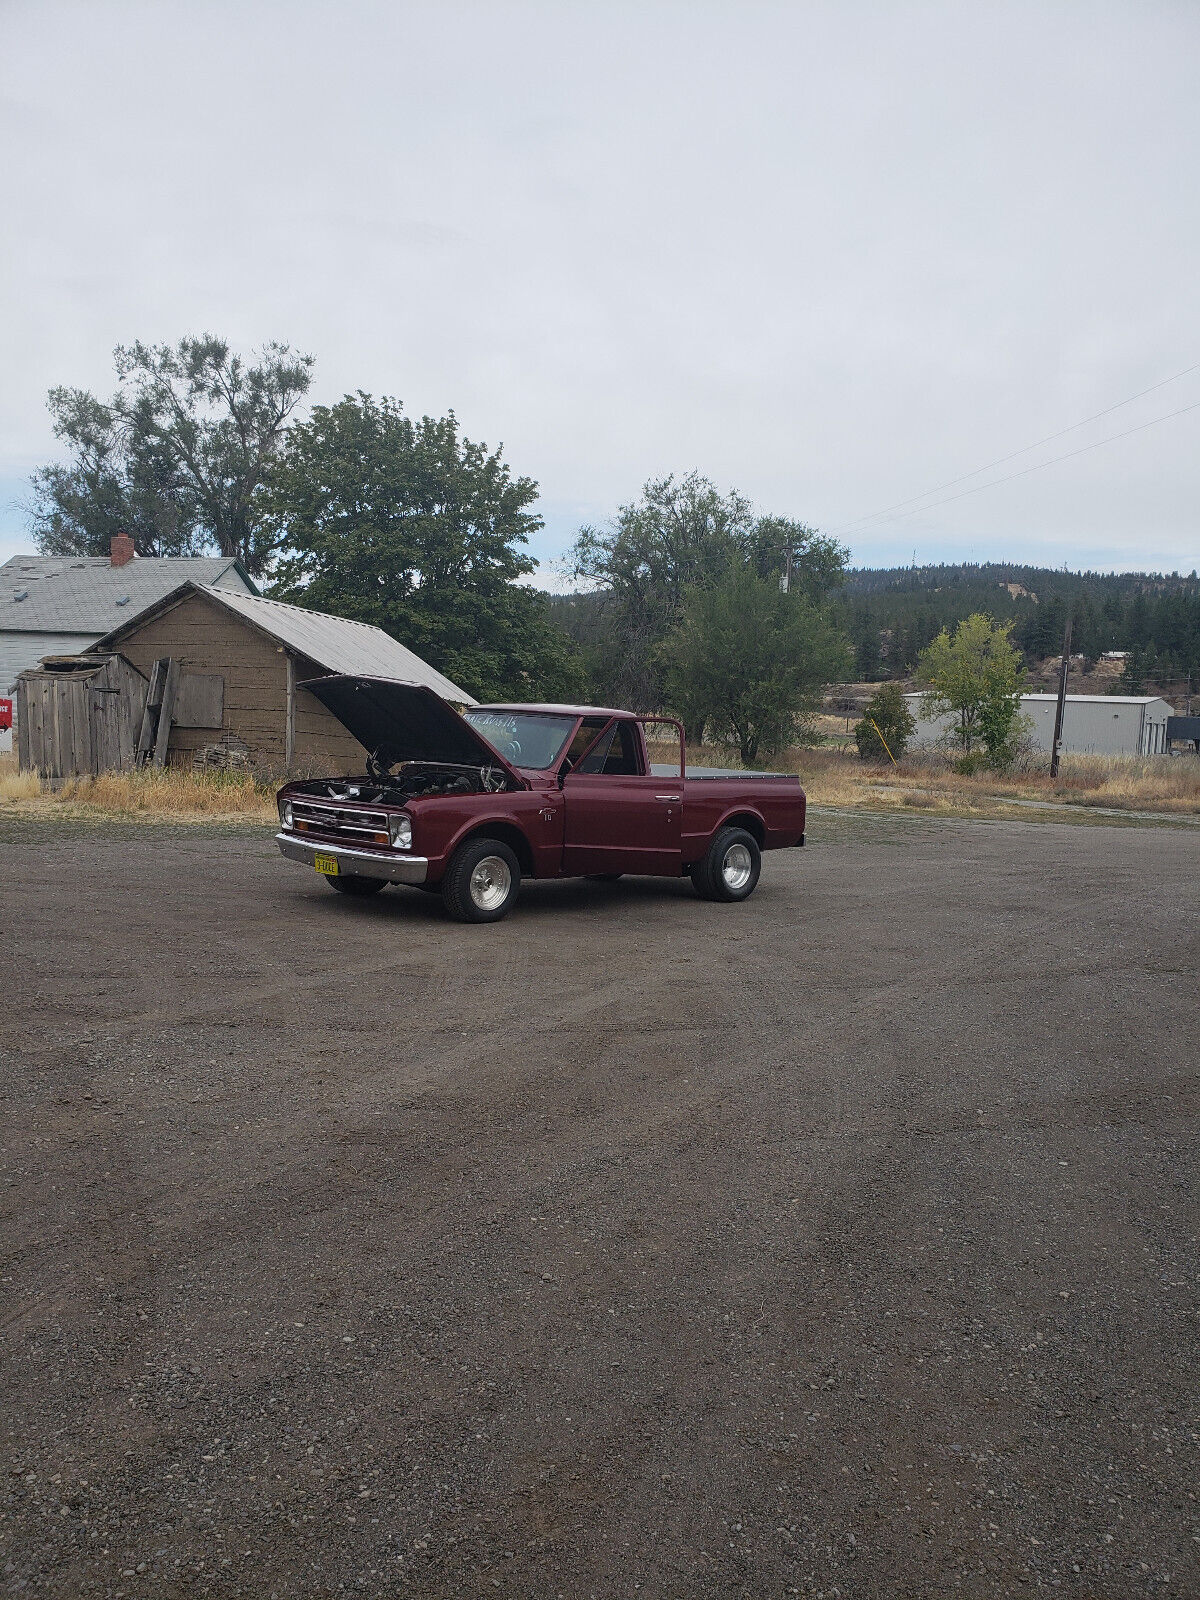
pixel 412 780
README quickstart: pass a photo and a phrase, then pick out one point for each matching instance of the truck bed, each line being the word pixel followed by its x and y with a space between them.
pixel 660 769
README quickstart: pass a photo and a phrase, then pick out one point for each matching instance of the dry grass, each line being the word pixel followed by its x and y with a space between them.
pixel 835 776
pixel 1124 783
pixel 16 785
pixel 171 795
pixel 832 777
pixel 1151 783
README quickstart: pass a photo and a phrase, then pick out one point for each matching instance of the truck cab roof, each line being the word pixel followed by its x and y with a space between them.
pixel 547 709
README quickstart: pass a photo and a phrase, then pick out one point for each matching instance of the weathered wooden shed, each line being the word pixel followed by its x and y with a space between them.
pixel 262 651
pixel 78 715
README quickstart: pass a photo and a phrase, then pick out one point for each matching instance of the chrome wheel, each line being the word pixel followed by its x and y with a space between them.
pixel 736 867
pixel 491 882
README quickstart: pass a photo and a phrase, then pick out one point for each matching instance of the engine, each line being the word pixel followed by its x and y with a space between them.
pixel 411 781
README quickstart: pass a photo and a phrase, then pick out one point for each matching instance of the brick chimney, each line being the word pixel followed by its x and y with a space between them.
pixel 121 550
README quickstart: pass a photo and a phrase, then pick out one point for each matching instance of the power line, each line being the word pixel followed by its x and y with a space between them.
pixel 1041 465
pixel 1024 451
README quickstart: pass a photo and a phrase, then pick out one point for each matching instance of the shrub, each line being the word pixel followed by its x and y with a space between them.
pixel 888 711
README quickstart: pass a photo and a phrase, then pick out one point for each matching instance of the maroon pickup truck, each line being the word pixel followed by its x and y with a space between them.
pixel 465 806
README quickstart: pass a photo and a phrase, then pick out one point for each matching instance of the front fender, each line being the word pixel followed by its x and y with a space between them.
pixel 537 823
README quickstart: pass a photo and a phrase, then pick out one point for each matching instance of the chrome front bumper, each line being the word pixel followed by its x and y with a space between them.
pixel 356 863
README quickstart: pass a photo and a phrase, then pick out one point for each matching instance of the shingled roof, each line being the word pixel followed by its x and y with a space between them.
pixel 87 594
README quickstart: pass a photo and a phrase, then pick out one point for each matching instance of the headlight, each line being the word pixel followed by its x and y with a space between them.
pixel 400 832
pixel 285 813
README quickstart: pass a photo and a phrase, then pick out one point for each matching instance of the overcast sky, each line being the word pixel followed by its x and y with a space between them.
pixel 829 254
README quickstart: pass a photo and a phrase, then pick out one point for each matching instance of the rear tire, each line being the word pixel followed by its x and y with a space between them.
pixel 352 884
pixel 482 881
pixel 729 868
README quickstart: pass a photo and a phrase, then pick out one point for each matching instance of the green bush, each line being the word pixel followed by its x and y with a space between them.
pixel 888 710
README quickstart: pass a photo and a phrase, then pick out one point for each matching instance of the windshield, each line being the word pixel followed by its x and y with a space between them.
pixel 524 738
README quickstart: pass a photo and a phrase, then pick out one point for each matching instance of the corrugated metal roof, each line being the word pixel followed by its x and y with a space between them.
pixel 335 643
pixel 87 594
pixel 340 645
pixel 1082 699
pixel 1103 699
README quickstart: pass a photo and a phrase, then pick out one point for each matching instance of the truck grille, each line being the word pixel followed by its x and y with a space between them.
pixel 353 825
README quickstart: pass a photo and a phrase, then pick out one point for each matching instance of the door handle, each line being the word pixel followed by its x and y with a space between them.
pixel 673 798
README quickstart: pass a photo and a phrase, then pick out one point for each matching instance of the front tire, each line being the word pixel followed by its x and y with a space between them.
pixel 729 868
pixel 352 884
pixel 482 882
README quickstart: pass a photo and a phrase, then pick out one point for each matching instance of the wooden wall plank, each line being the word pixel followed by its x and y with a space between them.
pixel 165 712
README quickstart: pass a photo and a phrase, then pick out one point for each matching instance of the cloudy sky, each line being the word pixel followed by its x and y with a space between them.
pixel 832 255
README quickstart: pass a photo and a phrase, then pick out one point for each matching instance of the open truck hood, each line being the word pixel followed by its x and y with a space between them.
pixel 403 722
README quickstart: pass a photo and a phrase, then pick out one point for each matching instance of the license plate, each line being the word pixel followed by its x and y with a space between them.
pixel 327 865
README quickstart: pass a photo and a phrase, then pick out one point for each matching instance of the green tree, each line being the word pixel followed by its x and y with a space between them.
pixel 411 527
pixel 683 535
pixel 775 546
pixel 175 458
pixel 112 484
pixel 887 713
pixel 976 674
pixel 750 661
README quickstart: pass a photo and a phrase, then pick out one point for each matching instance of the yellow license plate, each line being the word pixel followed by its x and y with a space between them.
pixel 328 865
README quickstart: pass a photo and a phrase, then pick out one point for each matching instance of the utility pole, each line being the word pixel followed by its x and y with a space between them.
pixel 1062 701
pixel 785 581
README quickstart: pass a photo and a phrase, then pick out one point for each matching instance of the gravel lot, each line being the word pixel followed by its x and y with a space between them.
pixel 840 1243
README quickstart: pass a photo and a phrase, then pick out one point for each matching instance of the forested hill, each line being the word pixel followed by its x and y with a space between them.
pixel 891 614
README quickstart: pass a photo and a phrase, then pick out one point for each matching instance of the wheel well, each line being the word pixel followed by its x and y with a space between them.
pixel 510 835
pixel 752 824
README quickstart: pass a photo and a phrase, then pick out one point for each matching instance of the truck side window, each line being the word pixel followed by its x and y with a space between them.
pixel 615 755
pixel 595 758
pixel 587 732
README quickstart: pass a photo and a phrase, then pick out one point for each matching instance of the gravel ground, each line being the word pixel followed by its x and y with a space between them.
pixel 843 1243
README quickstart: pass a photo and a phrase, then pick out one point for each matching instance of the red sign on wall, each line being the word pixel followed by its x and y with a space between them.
pixel 5 714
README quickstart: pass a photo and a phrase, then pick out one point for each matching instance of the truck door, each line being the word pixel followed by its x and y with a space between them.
pixel 619 817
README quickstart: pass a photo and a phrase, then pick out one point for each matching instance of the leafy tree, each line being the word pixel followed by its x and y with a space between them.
pixel 683 535
pixel 177 456
pixel 978 675
pixel 817 563
pixel 750 661
pixel 112 484
pixel 887 713
pixel 411 527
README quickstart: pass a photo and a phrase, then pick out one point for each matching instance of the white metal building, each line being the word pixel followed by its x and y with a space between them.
pixel 1093 724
